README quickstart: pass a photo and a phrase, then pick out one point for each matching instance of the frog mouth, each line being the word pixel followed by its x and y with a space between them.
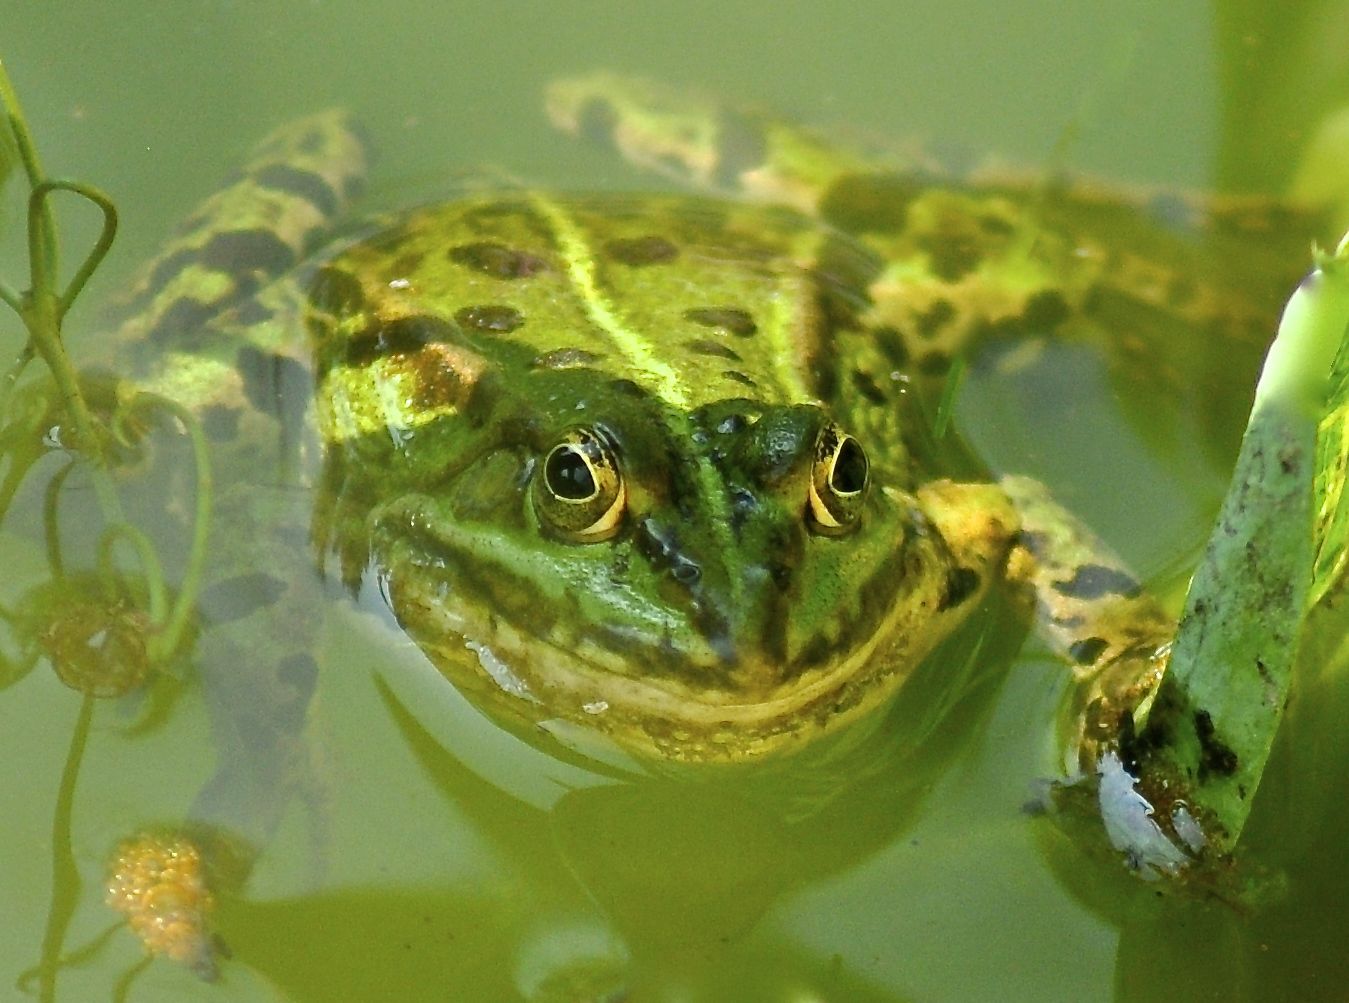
pixel 499 645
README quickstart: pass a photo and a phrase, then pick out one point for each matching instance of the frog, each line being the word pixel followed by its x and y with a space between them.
pixel 660 466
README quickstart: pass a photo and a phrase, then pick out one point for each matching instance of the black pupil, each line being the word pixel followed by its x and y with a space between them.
pixel 849 475
pixel 569 475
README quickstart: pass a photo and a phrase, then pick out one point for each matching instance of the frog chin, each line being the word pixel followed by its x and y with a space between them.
pixel 517 676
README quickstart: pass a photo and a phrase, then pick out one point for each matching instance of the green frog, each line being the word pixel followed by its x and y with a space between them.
pixel 657 466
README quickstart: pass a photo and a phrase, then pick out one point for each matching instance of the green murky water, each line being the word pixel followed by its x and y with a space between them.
pixel 435 858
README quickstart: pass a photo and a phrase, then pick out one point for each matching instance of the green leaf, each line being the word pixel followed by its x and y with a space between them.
pixel 1332 464
pixel 1220 704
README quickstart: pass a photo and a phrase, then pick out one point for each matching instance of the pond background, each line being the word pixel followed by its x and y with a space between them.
pixel 411 876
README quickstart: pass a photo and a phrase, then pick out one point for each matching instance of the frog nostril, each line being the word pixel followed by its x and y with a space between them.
pixel 660 546
pixel 685 571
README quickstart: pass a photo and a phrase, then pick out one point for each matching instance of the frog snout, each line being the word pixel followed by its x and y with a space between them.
pixel 737 612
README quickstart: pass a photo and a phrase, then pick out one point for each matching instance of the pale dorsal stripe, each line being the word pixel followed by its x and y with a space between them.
pixel 579 259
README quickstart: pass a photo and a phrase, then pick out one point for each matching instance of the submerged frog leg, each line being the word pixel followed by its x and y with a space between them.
pixel 248 233
pixel 979 253
pixel 1114 637
pixel 705 141
pixel 258 669
pixel 218 328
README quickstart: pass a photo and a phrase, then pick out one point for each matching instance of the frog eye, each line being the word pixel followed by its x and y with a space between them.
pixel 838 481
pixel 578 490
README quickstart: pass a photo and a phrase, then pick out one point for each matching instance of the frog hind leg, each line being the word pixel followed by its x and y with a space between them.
pixel 213 323
pixel 950 261
pixel 979 252
pixel 1114 637
pixel 714 144
pixel 249 232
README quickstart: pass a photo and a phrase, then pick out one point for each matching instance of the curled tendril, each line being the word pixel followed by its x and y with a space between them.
pixel 101 246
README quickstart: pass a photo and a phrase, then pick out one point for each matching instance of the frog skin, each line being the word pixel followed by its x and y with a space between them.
pixel 654 465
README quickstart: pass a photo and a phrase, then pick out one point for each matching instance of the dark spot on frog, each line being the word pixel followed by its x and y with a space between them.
pixel 934 363
pixel 713 348
pixel 1263 671
pixel 961 583
pixel 951 253
pixel 220 422
pixel 336 292
pixel 627 388
pixel 845 271
pixel 996 225
pixel 738 377
pixel 1180 290
pixel 303 184
pixel 870 203
pixel 934 318
pixel 565 358
pixel 1034 541
pixel 238 597
pixel 891 344
pixel 498 260
pixel 250 312
pixel 353 185
pixel 240 251
pixel 297 674
pixel 1094 581
pixel 741 146
pixel 185 318
pixel 298 671
pixel 1215 756
pixel 865 385
pixel 595 121
pixel 732 319
pixel 400 336
pixel 490 318
pixel 320 327
pixel 639 251
pixel 1045 311
pixel 1174 212
pixel 161 275
pixel 1087 650
pixel 275 384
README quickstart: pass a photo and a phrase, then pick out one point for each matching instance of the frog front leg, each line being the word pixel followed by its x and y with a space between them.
pixel 1113 635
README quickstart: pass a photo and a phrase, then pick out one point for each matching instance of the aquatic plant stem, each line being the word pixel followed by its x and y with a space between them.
pixel 65 875
pixel 43 308
pixel 27 151
pixel 168 639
